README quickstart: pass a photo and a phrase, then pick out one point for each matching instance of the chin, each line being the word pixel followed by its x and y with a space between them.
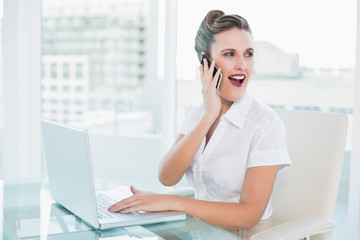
pixel 232 97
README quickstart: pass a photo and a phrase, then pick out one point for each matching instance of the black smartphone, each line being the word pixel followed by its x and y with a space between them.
pixel 215 70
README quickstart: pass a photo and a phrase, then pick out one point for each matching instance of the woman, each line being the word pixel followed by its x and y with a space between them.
pixel 232 147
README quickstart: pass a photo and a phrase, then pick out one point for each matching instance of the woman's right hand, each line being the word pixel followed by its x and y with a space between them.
pixel 177 160
pixel 212 101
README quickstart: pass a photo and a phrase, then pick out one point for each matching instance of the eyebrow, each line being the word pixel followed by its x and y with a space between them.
pixel 231 49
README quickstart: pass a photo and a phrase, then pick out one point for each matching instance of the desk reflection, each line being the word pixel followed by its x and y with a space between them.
pixel 28 212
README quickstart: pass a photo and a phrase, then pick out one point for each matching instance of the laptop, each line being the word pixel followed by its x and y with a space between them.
pixel 67 154
pixel 62 224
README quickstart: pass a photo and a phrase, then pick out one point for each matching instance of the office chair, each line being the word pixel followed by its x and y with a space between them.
pixel 304 196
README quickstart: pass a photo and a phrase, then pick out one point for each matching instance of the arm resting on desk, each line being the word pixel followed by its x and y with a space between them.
pixel 182 191
pixel 245 214
pixel 297 229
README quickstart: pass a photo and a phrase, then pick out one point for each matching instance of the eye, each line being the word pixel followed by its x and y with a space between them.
pixel 249 54
pixel 229 54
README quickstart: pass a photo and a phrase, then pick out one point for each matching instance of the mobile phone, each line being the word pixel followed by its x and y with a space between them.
pixel 215 70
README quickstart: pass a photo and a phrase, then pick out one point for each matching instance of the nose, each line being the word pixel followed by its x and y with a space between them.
pixel 241 63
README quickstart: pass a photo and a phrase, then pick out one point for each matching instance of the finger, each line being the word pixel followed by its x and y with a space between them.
pixel 131 209
pixel 121 207
pixel 125 203
pixel 134 190
pixel 202 73
pixel 116 207
pixel 206 65
pixel 211 68
pixel 206 74
pixel 201 67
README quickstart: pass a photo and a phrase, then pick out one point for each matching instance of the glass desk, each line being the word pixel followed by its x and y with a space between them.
pixel 28 212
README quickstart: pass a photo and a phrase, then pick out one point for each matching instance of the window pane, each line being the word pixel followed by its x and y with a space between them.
pixel 97 68
pixel 94 51
pixel 79 70
pixel 53 70
pixel 302 63
pixel 304 59
pixel 66 70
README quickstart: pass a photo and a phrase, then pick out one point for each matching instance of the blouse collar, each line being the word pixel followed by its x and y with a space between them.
pixel 238 110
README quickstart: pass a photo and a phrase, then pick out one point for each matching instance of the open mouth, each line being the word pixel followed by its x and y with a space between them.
pixel 237 80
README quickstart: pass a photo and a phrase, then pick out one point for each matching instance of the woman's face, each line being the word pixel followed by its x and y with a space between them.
pixel 233 52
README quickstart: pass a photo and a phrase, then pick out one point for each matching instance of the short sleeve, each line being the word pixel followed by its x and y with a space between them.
pixel 268 147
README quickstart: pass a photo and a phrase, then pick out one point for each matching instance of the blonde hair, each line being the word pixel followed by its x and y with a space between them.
pixel 216 22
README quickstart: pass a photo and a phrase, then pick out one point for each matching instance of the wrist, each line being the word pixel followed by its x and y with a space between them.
pixel 175 203
pixel 210 117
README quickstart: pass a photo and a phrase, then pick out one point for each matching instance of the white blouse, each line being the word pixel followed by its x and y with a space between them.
pixel 249 134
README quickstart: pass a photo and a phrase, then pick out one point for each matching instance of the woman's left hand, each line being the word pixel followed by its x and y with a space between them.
pixel 142 201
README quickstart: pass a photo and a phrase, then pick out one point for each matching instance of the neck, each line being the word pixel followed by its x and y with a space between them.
pixel 225 106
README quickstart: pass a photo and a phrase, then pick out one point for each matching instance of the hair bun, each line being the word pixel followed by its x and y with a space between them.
pixel 213 23
pixel 212 16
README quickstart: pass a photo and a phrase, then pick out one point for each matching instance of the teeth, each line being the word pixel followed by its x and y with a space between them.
pixel 238 77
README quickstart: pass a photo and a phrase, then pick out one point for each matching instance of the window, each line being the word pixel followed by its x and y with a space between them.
pixel 93 75
pixel 79 89
pixel 79 102
pixel 95 26
pixel 66 89
pixel 53 70
pixel 115 99
pixel 79 71
pixel 301 63
pixel 66 70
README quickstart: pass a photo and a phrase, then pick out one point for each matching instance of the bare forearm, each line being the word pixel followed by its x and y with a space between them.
pixel 223 214
pixel 178 159
pixel 255 196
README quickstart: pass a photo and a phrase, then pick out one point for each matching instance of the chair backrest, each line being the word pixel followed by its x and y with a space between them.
pixel 316 144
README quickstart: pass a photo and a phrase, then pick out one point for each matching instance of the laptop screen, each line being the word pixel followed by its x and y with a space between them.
pixel 69 168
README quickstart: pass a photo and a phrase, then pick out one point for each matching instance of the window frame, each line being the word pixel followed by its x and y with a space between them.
pixel 354 178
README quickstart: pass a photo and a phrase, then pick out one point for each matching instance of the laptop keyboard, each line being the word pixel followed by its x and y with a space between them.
pixel 103 203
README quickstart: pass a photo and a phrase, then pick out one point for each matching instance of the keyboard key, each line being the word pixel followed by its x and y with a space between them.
pixel 103 203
